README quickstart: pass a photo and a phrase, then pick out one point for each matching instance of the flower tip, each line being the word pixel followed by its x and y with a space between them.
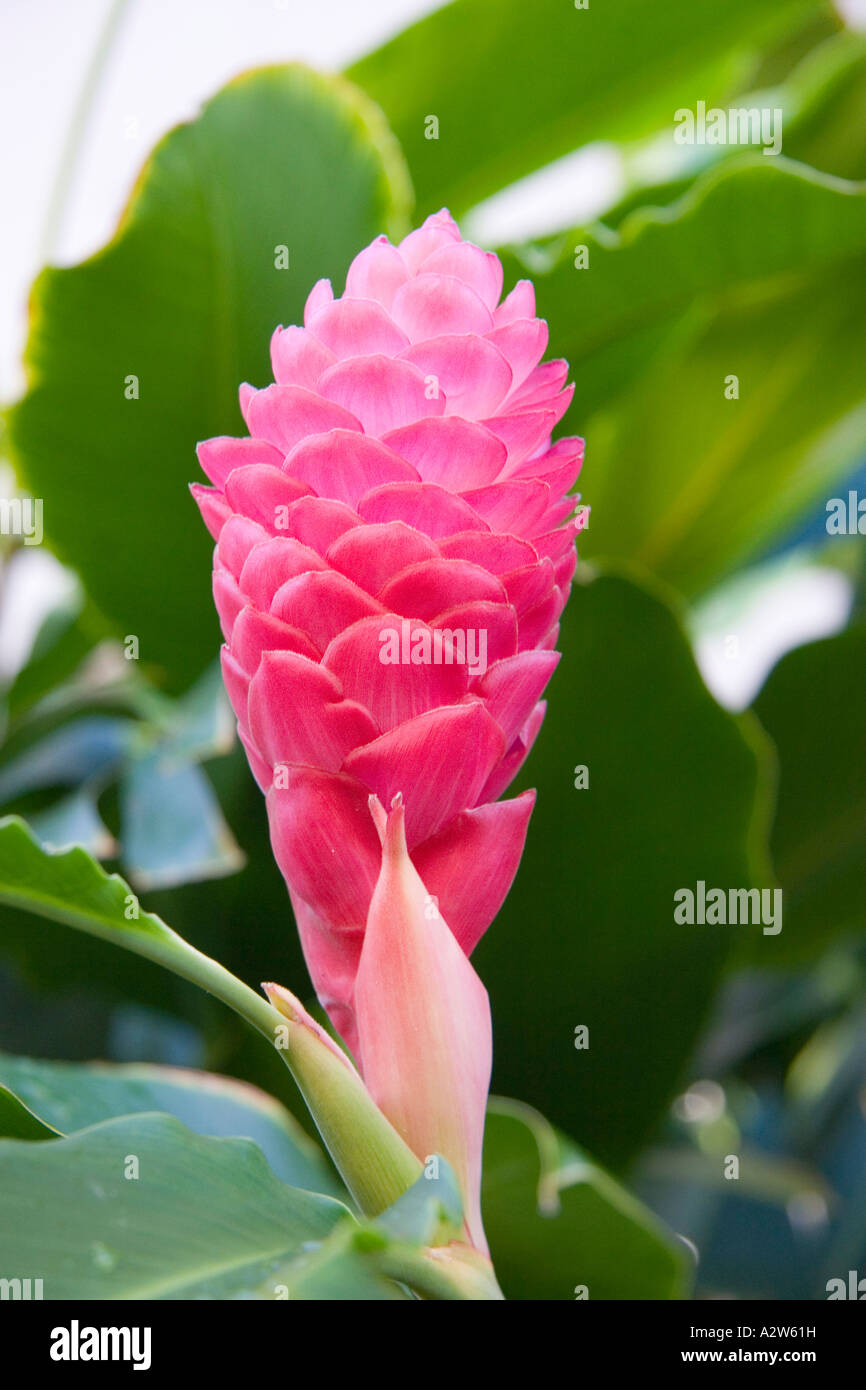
pixel 380 817
pixel 284 1001
pixel 291 1008
pixel 394 845
pixel 389 824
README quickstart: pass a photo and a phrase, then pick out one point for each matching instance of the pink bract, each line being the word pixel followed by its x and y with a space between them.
pixel 398 489
pixel 424 1027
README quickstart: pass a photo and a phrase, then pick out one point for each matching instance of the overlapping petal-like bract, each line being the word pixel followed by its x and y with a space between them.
pixel 395 545
pixel 424 1026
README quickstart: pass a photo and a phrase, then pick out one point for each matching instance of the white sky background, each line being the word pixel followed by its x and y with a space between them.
pixel 169 56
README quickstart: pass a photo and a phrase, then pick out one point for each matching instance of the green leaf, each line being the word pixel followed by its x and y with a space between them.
pixel 372 1158
pixel 18 1121
pixel 202 723
pixel 82 750
pixel 70 887
pixel 69 1097
pixel 553 77
pixel 244 921
pixel 733 475
pixel 431 1212
pixel 820 101
pixel 831 134
pixel 587 936
pixel 556 1227
pixel 172 828
pixel 74 820
pixel 812 708
pixel 140 1207
pixel 340 1268
pixel 185 298
pixel 745 226
pixel 758 272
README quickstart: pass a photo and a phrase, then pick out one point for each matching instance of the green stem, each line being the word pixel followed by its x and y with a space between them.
pixel 376 1165
pixel 76 129
pixel 374 1162
pixel 441 1274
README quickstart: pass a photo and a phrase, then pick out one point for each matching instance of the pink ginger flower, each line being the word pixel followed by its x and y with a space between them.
pixel 395 545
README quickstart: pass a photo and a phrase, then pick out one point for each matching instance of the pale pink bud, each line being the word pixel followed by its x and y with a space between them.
pixel 424 1031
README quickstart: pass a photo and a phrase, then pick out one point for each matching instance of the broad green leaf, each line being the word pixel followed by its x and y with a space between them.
pixel 71 888
pixel 820 102
pixel 514 86
pixel 812 708
pixel 747 226
pixel 245 921
pixel 184 299
pixel 69 1097
pixel 18 1121
pixel 758 274
pixel 831 135
pixel 587 937
pixel 556 1229
pixel 141 1207
pixel 731 475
